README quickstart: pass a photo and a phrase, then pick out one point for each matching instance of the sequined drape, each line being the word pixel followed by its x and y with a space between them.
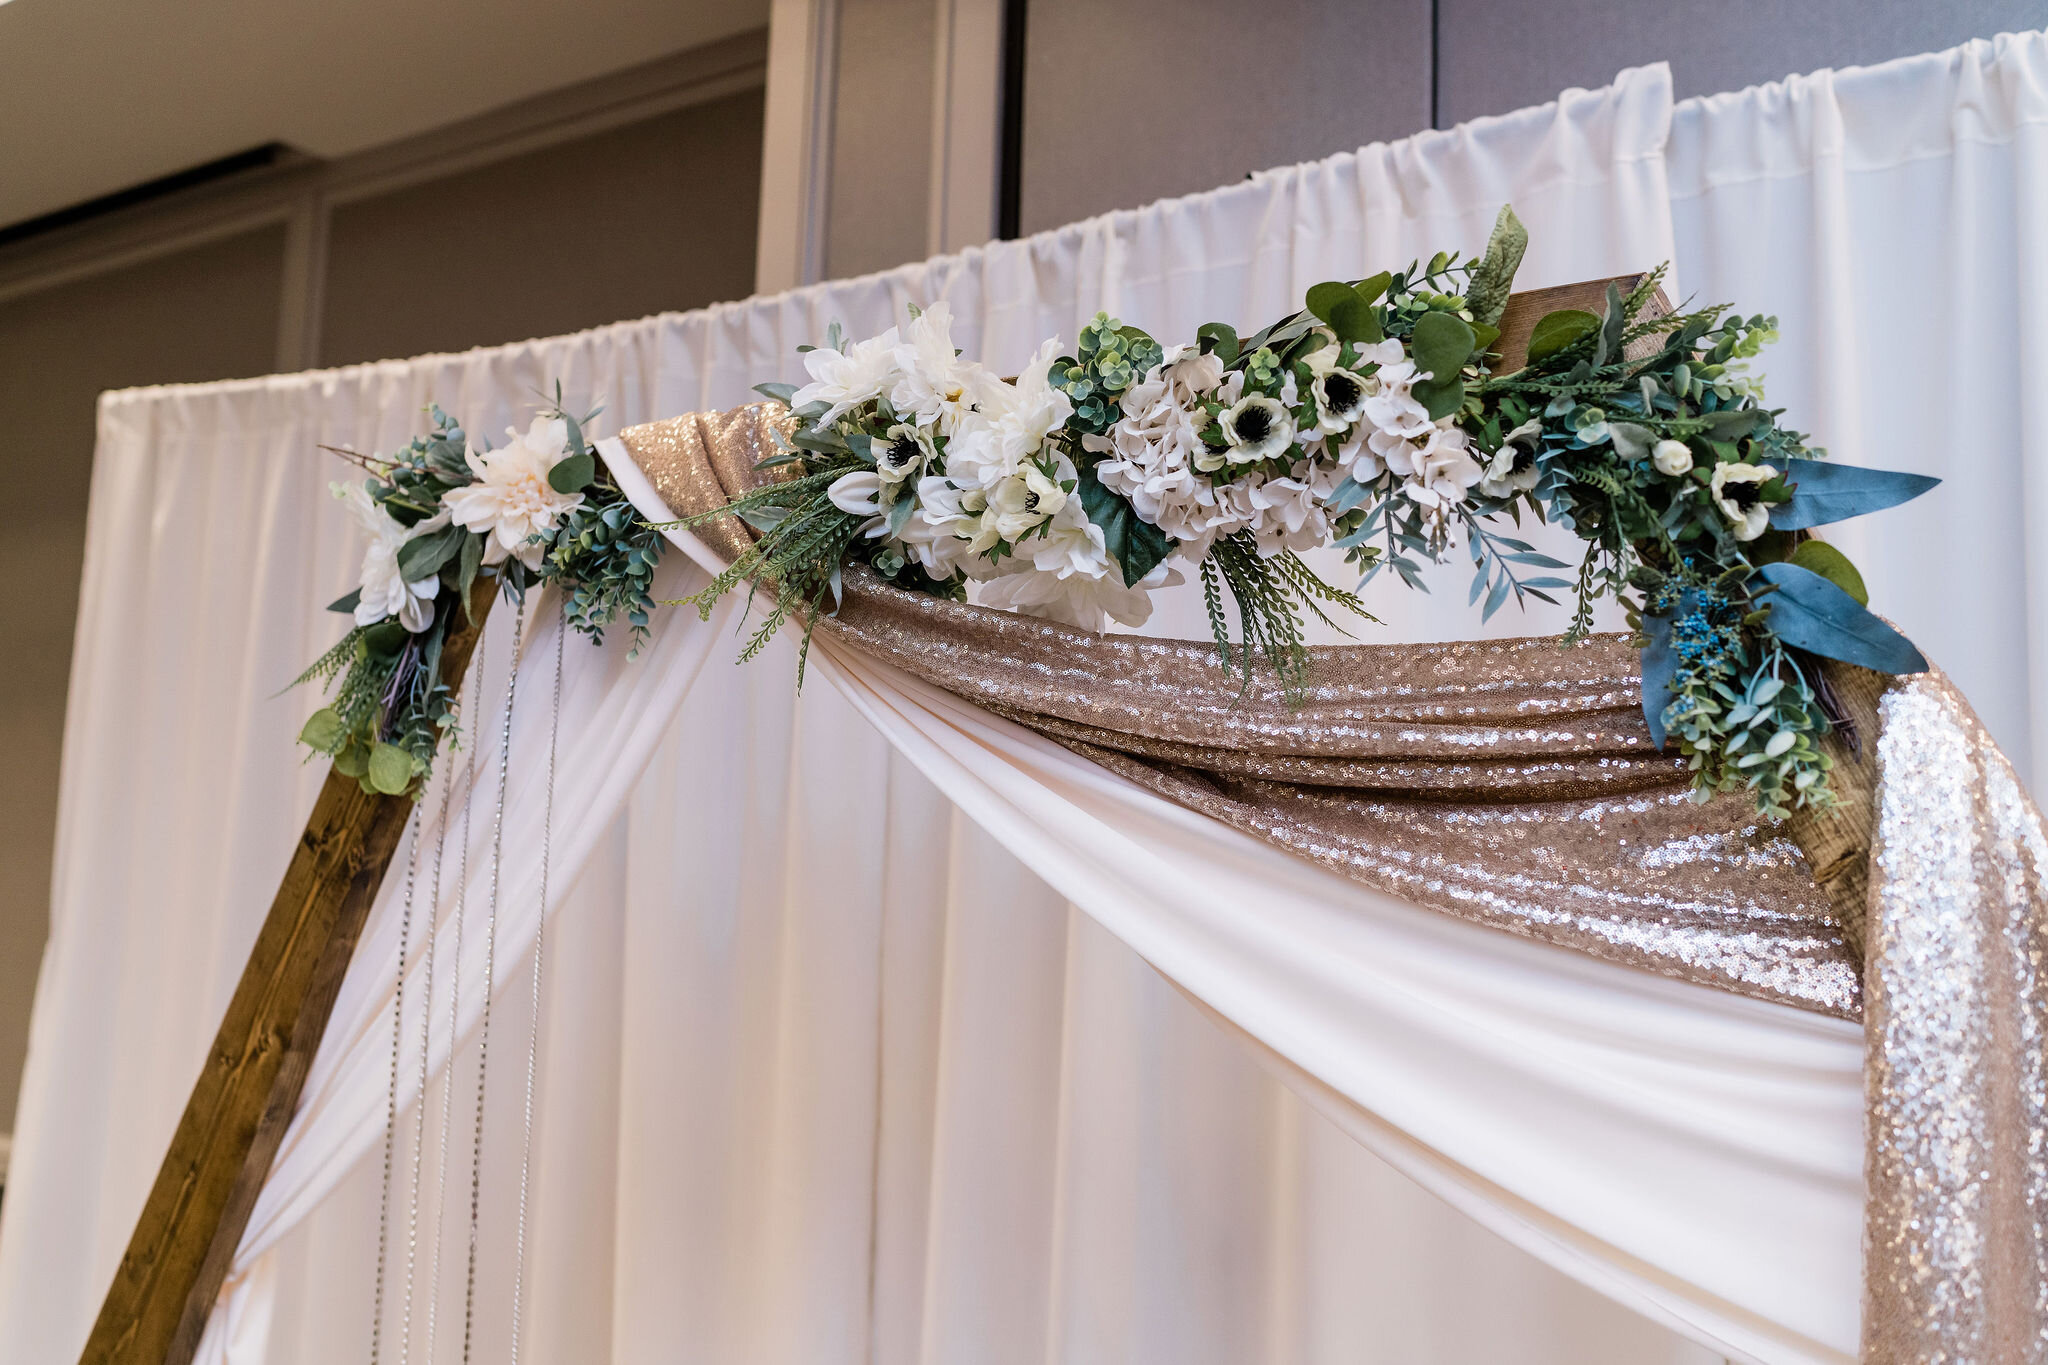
pixel 1512 783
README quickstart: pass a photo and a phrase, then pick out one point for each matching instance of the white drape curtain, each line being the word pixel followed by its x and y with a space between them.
pixel 827 1076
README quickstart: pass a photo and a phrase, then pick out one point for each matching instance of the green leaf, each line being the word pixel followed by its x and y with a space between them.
pixel 385 638
pixel 1824 492
pixel 1810 613
pixel 1441 344
pixel 573 473
pixel 390 769
pixel 1493 279
pixel 1611 328
pixel 1631 441
pixel 1348 312
pixel 323 730
pixel 347 604
pixel 1440 399
pixel 422 556
pixel 472 560
pixel 1817 556
pixel 1219 339
pixel 352 761
pixel 780 393
pixel 1135 544
pixel 1555 331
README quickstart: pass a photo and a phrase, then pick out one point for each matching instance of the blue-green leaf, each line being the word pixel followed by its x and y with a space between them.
pixel 1824 492
pixel 1658 667
pixel 1812 614
pixel 348 604
pixel 780 393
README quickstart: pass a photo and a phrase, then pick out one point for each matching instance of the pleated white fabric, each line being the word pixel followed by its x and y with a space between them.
pixel 827 1073
pixel 1892 218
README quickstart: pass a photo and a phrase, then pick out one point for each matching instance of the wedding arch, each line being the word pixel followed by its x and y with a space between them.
pixel 1179 795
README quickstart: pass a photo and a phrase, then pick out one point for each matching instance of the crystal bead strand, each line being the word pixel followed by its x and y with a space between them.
pixel 419 1127
pixel 412 863
pixel 547 834
pixel 483 1041
pixel 474 689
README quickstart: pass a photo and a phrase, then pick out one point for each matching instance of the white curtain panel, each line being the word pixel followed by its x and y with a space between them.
pixel 1894 219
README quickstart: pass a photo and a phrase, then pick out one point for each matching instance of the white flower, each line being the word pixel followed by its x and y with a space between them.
pixel 384 592
pixel 1340 399
pixel 1190 371
pixel 1356 457
pixel 1437 471
pixel 1672 457
pixel 901 454
pixel 846 379
pixel 1256 428
pixel 942 534
pixel 1735 489
pixel 1513 468
pixel 933 383
pixel 858 494
pixel 1287 514
pixel 1078 599
pixel 1020 502
pixel 511 502
pixel 1007 424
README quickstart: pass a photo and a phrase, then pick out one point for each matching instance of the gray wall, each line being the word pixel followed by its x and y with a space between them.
pixel 1132 100
pixel 207 313
pixel 654 216
pixel 651 215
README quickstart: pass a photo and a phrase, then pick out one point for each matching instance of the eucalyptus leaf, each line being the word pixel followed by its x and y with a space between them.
pixel 1810 613
pixel 1348 493
pixel 1441 344
pixel 1340 306
pixel 1440 399
pixel 573 473
pixel 353 760
pixel 899 513
pixel 1555 331
pixel 1660 666
pixel 1824 492
pixel 390 769
pixel 1137 546
pixel 323 730
pixel 780 393
pixel 347 603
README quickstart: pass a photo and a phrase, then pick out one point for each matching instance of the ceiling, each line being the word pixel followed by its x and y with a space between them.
pixel 97 96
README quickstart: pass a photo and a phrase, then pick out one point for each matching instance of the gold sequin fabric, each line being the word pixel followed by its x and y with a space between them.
pixel 1956 1065
pixel 1511 783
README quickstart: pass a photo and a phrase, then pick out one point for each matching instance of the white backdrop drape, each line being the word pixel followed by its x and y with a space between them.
pixel 832 1077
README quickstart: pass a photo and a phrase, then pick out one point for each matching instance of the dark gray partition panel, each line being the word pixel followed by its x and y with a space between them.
pixel 205 313
pixel 1493 56
pixel 1131 101
pixel 655 215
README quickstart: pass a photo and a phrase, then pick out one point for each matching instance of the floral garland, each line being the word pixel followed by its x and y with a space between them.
pixel 438 515
pixel 1370 421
